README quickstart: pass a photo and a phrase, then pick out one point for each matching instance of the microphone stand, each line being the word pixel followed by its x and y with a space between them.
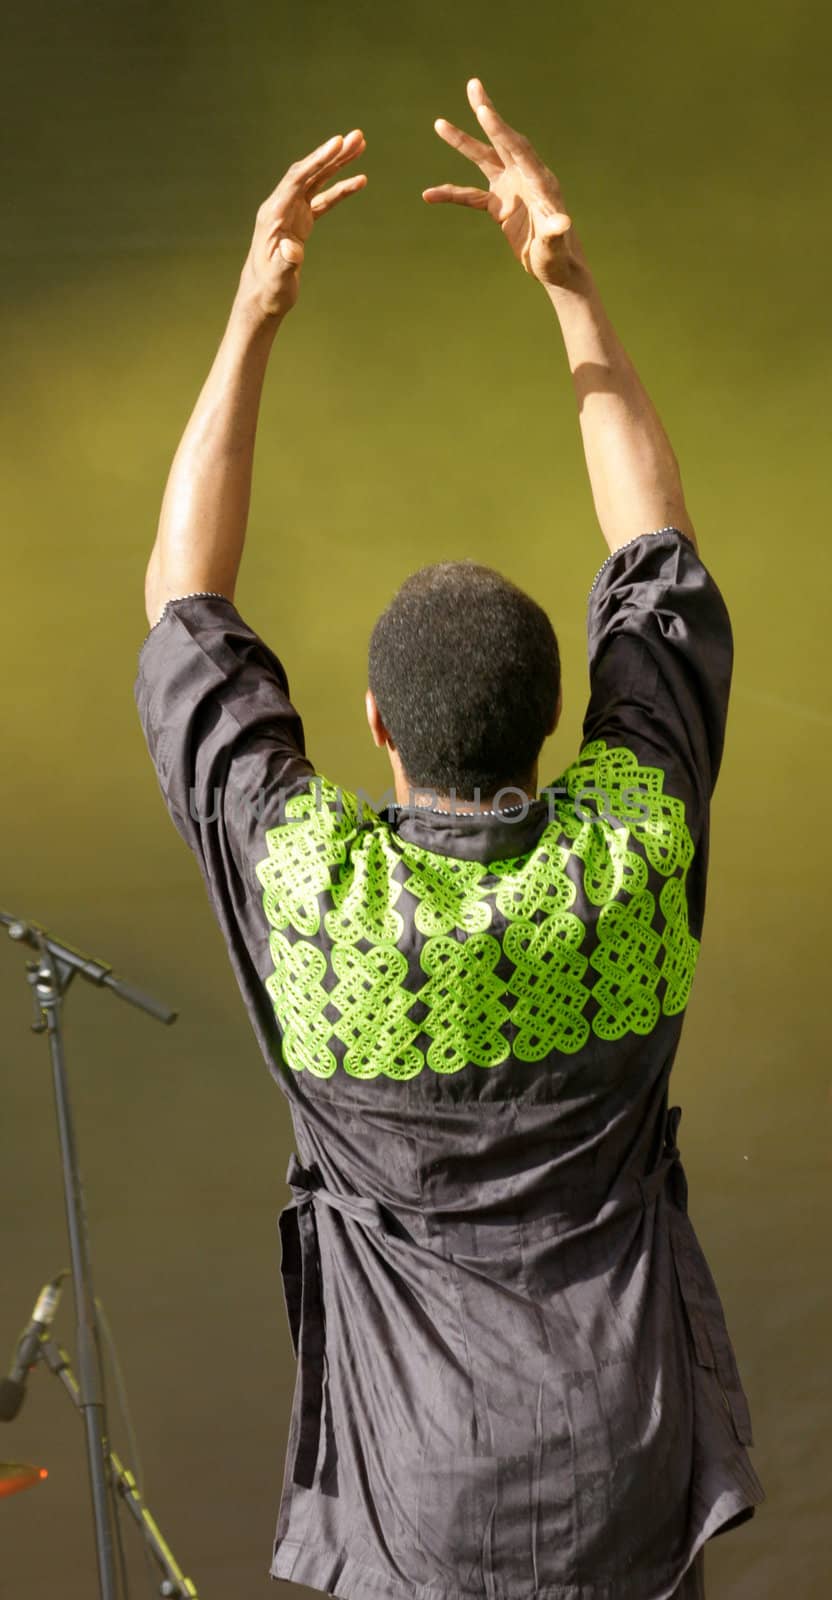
pixel 49 977
pixel 174 1583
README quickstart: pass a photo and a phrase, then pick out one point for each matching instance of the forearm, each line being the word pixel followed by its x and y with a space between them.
pixel 204 512
pixel 633 472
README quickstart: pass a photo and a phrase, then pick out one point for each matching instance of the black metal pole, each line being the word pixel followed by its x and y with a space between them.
pixel 46 985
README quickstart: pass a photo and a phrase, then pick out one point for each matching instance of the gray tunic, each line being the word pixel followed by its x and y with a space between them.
pixel 514 1376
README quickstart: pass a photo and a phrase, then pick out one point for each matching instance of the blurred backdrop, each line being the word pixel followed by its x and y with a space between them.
pixel 419 407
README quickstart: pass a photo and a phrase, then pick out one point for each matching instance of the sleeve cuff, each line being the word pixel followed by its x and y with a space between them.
pixel 175 600
pixel 657 533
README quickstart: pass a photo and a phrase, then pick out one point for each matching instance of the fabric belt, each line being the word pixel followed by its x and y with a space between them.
pixel 304 1302
pixel 669 1169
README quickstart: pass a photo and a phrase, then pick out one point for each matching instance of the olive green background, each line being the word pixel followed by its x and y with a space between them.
pixel 420 407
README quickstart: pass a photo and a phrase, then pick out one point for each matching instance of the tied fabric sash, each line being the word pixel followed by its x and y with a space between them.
pixel 671 1172
pixel 669 1169
pixel 300 1269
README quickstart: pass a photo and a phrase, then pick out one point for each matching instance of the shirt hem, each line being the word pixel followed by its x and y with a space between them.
pixel 334 1572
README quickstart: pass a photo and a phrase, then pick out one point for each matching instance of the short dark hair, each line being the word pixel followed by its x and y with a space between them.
pixel 465 670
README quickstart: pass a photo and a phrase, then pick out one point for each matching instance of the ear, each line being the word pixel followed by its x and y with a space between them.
pixel 558 710
pixel 380 735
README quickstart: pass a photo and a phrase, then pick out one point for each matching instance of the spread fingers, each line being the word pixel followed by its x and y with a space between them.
pixel 483 155
pixel 458 195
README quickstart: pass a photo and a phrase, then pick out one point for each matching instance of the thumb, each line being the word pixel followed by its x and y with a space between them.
pixel 553 226
pixel 291 251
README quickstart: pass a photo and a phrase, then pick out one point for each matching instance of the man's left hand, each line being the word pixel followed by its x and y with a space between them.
pixel 271 275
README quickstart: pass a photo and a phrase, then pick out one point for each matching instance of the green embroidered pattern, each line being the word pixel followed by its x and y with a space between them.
pixel 364 903
pixel 609 866
pixel 629 791
pixel 626 961
pixel 465 1003
pixel 548 982
pixel 428 960
pixel 536 882
pixel 450 894
pixel 681 949
pixel 372 1006
pixel 314 850
pixel 298 997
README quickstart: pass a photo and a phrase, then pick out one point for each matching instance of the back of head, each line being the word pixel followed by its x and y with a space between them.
pixel 465 671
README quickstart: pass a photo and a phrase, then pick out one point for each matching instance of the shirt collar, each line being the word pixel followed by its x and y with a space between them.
pixel 472 836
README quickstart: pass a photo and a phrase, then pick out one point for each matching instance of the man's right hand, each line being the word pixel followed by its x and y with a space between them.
pixel 523 196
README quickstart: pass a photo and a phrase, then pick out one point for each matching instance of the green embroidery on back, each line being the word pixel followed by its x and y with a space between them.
pixel 626 961
pixel 609 866
pixel 629 789
pixel 548 982
pixel 449 893
pixel 317 843
pixel 681 949
pixel 364 903
pixel 298 996
pixel 536 882
pixel 492 963
pixel 465 1003
pixel 373 1006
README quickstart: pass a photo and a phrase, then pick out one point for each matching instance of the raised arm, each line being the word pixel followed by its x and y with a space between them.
pixel 202 525
pixel 633 472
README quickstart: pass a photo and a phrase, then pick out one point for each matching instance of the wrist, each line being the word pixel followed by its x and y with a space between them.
pixel 248 310
pixel 577 289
